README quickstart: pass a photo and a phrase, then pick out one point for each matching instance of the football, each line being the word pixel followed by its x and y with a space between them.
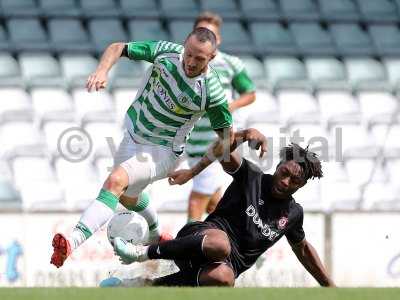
pixel 130 226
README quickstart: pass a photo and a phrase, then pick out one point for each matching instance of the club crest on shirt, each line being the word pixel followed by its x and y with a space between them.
pixel 183 98
pixel 260 201
pixel 282 222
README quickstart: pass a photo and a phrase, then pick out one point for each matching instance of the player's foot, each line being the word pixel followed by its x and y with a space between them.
pixel 129 253
pixel 61 250
pixel 155 237
pixel 132 282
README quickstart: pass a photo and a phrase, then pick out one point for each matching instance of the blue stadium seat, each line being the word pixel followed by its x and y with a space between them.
pixel 77 68
pixel 140 30
pixel 178 9
pixel 272 38
pixel 10 199
pixel 4 43
pixel 10 74
pixel 68 35
pixel 312 39
pixel 350 39
pixel 179 30
pixel 139 8
pixel 338 10
pixel 226 8
pixel 105 32
pixel 20 8
pixel 126 73
pixel 378 11
pixel 60 8
pixel 386 39
pixel 299 10
pixel 256 10
pixel 99 8
pixel 392 66
pixel 27 35
pixel 255 69
pixel 235 38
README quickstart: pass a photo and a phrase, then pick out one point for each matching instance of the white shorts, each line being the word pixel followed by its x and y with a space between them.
pixel 143 163
pixel 209 180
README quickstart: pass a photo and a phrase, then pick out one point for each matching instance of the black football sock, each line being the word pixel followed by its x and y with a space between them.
pixel 188 247
pixel 177 279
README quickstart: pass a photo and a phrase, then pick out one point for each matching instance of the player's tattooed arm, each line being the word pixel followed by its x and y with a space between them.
pixel 309 258
pixel 223 149
pixel 98 79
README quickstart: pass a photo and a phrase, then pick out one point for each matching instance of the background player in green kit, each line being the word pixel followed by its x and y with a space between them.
pixel 206 190
pixel 177 91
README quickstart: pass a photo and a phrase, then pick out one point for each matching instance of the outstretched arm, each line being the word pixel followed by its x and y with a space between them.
pixel 309 258
pixel 243 100
pixel 223 149
pixel 98 80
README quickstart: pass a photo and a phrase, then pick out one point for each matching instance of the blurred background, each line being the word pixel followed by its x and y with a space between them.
pixel 329 69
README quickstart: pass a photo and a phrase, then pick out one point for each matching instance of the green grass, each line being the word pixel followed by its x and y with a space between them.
pixel 199 293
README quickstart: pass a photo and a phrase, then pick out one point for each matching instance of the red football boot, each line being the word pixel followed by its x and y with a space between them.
pixel 62 250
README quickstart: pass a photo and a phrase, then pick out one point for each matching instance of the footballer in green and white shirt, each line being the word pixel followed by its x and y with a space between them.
pixel 177 91
pixel 240 92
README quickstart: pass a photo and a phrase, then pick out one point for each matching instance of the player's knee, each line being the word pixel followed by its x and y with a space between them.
pixel 116 182
pixel 217 275
pixel 217 247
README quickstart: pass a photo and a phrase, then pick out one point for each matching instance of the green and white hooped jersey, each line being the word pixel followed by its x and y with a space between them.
pixel 169 103
pixel 234 78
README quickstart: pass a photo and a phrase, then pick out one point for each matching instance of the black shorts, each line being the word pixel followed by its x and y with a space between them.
pixel 195 266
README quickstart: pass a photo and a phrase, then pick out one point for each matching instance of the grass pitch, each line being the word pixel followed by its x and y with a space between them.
pixel 149 293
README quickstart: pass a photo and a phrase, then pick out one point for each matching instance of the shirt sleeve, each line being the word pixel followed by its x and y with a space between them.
pixel 220 116
pixel 246 171
pixel 296 233
pixel 149 50
pixel 242 83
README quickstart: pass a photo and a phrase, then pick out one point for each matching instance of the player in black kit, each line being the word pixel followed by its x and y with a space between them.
pixel 256 210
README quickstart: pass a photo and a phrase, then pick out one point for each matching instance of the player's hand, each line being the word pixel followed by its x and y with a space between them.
pixel 96 81
pixel 180 176
pixel 256 140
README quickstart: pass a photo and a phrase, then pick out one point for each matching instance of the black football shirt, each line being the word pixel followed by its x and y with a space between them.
pixel 253 219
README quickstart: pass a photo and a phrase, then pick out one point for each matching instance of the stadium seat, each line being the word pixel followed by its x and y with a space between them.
pixel 52 103
pixel 27 35
pixel 127 73
pixel 53 130
pixel 272 38
pixel 68 35
pixel 339 10
pixel 235 39
pixel 334 171
pixel 103 167
pixel 141 30
pixel 4 43
pixel 77 68
pixel 350 39
pixel 348 197
pixel 392 167
pixel 264 109
pixel 312 134
pixel 10 74
pixel 297 105
pixel 378 11
pixel 386 39
pixel 299 10
pixel 255 69
pixel 255 10
pixel 20 166
pixel 310 196
pixel 179 30
pixel 286 72
pixel 106 31
pixel 353 140
pixel 363 170
pixel 381 196
pixel 79 190
pixel 60 8
pixel 139 9
pixel 123 98
pixel 226 8
pixel 20 8
pixel 378 107
pixel 15 105
pixel 99 8
pixel 392 66
pixel 40 69
pixel 175 9
pixel 10 199
pixel 21 137
pixel 312 39
pixel 366 74
pixel 95 106
pixel 338 107
pixel 106 137
pixel 389 137
pixel 327 73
